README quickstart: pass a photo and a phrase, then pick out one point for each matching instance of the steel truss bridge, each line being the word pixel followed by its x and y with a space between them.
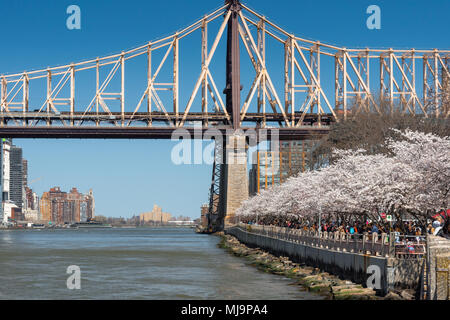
pixel 296 104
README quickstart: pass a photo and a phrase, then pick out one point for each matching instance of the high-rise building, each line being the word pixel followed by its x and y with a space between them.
pixel 45 207
pixel 275 167
pixel 16 176
pixel 5 147
pixel 445 89
pixel 24 183
pixel 11 182
pixel 18 202
pixel 31 199
pixel 83 211
pixel 74 199
pixel 61 207
pixel 204 210
pixel 35 201
pixel 155 216
pixel 57 200
pixel 90 208
pixel 31 205
pixel 25 172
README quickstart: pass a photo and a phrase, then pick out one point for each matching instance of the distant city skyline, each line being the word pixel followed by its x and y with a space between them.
pixel 20 203
pixel 110 183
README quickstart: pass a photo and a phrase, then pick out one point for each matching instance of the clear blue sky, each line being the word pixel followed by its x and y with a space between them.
pixel 128 177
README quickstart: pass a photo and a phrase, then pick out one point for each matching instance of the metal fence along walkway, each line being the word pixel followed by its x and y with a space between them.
pixel 374 244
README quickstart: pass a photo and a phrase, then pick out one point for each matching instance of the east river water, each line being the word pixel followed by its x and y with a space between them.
pixel 142 263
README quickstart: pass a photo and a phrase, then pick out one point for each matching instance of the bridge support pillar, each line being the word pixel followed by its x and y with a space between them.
pixel 235 176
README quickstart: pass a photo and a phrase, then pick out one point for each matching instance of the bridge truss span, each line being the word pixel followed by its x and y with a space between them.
pixel 414 80
pixel 291 83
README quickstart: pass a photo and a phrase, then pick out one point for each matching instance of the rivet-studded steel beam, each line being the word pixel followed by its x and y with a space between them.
pixel 233 77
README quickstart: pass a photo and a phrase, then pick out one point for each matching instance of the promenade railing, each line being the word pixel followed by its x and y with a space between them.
pixel 370 244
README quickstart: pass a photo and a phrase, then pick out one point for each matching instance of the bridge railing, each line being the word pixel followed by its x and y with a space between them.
pixel 371 244
pixel 410 246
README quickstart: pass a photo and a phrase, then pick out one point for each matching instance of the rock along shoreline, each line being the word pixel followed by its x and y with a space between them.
pixel 310 278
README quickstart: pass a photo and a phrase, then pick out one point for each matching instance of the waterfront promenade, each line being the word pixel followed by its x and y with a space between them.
pixel 339 254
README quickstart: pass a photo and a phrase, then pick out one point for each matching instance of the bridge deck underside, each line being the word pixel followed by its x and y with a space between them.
pixel 303 133
pixel 131 119
pixel 153 126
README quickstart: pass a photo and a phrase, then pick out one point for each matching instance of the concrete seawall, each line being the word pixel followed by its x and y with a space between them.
pixel 399 273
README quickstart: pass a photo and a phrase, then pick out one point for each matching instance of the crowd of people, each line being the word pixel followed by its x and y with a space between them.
pixel 439 225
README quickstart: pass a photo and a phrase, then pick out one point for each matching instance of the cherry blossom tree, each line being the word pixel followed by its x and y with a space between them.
pixel 414 179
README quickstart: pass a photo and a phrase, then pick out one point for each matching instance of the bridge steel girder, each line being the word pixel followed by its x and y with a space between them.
pixel 216 213
pixel 233 65
pixel 311 133
pixel 400 85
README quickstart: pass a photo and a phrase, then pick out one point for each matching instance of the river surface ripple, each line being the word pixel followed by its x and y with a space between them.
pixel 141 263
